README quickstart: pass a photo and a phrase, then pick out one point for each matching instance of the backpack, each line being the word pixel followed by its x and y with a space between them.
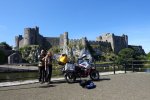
pixel 87 84
pixel 83 83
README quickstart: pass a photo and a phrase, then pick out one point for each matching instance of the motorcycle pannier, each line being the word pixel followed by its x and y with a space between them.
pixel 63 59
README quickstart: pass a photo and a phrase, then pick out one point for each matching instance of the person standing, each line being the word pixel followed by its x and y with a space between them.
pixel 48 66
pixel 41 66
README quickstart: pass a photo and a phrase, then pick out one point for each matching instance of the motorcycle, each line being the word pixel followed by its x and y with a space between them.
pixel 80 70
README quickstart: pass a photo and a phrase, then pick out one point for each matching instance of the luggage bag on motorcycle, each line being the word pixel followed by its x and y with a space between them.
pixel 63 59
pixel 70 67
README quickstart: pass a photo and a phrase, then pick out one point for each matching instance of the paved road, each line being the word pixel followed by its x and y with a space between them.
pixel 130 86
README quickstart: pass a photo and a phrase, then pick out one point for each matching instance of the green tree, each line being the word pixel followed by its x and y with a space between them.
pixel 55 49
pixel 6 46
pixel 125 55
pixel 148 56
pixel 30 53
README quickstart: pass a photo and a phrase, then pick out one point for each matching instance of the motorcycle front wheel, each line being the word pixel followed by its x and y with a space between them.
pixel 94 75
pixel 70 77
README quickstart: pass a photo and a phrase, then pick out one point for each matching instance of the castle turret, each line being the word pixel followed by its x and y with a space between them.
pixel 65 46
pixel 27 37
pixel 17 40
pixel 126 40
pixel 30 35
pixel 84 41
pixel 66 38
pixel 37 29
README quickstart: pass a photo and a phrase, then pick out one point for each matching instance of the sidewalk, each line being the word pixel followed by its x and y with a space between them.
pixel 14 83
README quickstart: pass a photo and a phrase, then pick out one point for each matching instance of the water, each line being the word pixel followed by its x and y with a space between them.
pixel 147 70
pixel 14 76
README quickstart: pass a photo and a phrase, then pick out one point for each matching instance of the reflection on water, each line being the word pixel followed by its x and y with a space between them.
pixel 147 70
pixel 14 76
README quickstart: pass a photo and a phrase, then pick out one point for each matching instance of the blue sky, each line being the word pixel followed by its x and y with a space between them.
pixel 90 18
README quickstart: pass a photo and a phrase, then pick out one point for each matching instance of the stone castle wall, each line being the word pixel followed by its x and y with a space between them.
pixel 104 43
pixel 33 37
pixel 101 46
pixel 54 41
pixel 120 43
pixel 117 42
pixel 30 35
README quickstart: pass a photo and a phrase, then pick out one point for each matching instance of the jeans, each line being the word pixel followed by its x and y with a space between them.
pixel 42 74
pixel 48 72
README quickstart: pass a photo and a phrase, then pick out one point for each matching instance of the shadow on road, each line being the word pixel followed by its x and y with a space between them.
pixel 59 82
pixel 103 79
pixel 47 86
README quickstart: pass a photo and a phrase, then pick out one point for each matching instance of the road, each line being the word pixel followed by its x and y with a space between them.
pixel 130 86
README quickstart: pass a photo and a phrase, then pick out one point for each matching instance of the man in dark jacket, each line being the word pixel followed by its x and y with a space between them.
pixel 41 66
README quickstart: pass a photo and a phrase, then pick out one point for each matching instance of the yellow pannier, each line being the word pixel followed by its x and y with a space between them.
pixel 63 59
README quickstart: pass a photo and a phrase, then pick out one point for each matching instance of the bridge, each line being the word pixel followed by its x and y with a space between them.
pixel 129 86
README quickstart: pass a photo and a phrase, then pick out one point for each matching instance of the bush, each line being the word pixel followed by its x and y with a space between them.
pixel 6 46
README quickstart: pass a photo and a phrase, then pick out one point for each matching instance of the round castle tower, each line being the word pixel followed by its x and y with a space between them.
pixel 27 36
pixel 30 35
pixel 66 38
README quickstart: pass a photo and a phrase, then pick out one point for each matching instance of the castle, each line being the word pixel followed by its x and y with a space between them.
pixel 107 42
pixel 117 42
pixel 33 37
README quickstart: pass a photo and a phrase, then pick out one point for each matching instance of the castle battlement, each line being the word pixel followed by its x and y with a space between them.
pixel 75 40
pixel 107 40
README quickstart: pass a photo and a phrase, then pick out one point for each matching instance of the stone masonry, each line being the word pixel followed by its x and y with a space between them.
pixel 108 40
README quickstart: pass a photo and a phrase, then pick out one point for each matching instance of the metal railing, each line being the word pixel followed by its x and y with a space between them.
pixel 132 66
